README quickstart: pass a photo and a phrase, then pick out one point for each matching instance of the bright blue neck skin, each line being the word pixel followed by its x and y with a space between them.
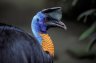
pixel 38 26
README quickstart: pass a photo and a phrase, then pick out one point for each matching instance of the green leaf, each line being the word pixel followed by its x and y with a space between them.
pixel 88 32
pixel 86 14
pixel 92 42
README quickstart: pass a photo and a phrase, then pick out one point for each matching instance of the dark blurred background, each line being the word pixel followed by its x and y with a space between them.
pixel 76 16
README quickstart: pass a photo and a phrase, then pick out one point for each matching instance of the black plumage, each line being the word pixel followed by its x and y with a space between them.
pixel 17 46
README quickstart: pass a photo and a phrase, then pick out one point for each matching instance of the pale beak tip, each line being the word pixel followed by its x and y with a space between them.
pixel 65 27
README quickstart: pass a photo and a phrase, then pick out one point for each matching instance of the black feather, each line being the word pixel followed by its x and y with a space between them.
pixel 17 46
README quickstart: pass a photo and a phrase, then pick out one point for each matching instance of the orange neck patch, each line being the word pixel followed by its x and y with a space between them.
pixel 47 44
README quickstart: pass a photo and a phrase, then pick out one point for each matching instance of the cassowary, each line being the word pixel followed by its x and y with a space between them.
pixel 17 46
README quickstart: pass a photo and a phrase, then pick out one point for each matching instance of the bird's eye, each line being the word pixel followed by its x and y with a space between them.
pixel 45 19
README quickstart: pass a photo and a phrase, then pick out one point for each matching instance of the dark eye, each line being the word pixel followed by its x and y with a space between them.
pixel 45 19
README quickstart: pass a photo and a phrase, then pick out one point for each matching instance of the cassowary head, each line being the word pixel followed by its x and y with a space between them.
pixel 44 20
pixel 48 18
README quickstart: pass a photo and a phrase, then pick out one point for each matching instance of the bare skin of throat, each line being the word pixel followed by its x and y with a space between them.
pixel 47 44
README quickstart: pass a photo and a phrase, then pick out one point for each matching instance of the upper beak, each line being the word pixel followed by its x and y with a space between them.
pixel 57 24
pixel 61 24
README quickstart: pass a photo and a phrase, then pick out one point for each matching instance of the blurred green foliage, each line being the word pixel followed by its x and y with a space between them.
pixel 92 29
pixel 88 32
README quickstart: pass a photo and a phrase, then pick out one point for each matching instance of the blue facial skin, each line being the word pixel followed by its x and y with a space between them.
pixel 38 25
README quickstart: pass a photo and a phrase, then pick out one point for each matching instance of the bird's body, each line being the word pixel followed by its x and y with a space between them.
pixel 17 46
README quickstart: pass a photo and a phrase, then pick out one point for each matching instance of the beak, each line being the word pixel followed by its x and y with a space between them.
pixel 57 24
pixel 61 24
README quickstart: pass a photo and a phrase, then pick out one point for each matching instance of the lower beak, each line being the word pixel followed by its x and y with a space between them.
pixel 57 24
pixel 61 24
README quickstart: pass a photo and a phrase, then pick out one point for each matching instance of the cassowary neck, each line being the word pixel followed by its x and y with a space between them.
pixel 43 38
pixel 36 32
